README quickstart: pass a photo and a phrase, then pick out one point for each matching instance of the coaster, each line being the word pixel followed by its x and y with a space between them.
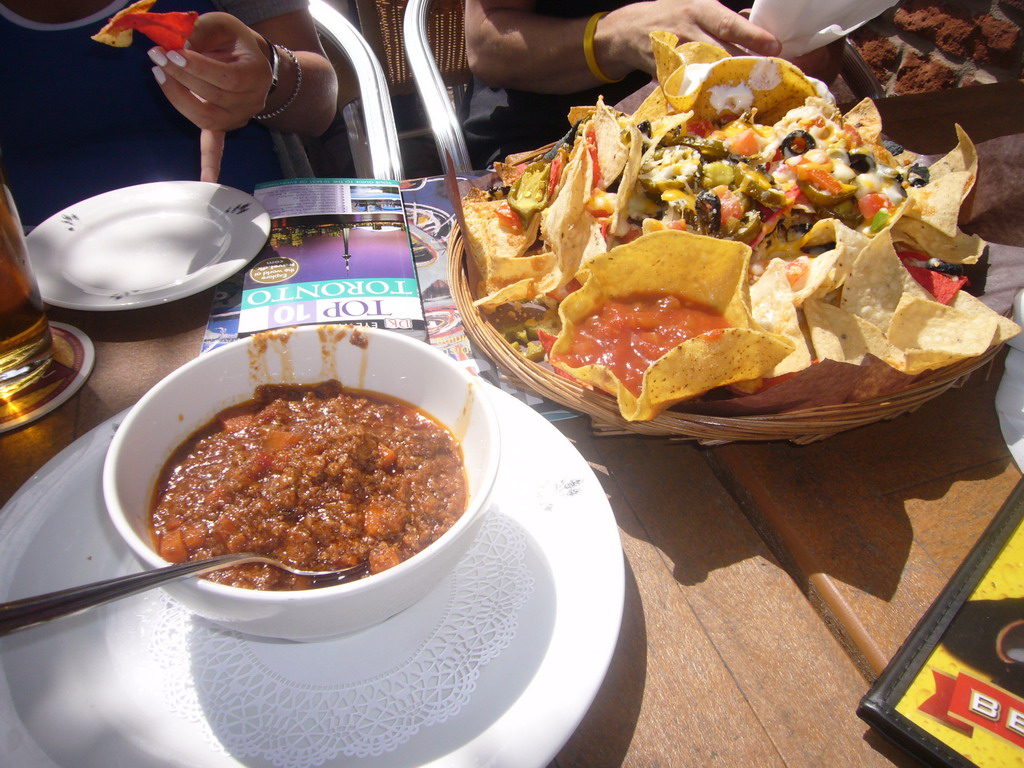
pixel 73 357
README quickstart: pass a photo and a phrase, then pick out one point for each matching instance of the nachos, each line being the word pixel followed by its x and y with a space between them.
pixel 849 244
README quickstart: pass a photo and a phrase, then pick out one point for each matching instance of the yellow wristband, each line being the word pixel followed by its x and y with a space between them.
pixel 588 49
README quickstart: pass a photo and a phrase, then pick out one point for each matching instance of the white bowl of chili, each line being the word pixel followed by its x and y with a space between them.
pixel 257 499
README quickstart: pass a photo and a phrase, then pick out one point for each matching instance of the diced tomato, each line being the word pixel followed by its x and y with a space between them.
pixel 820 178
pixel 236 422
pixel 852 136
pixel 699 127
pixel 873 203
pixel 509 218
pixel 277 439
pixel 555 175
pixel 732 208
pixel 171 547
pixel 796 271
pixel 632 234
pixel 679 224
pixel 745 143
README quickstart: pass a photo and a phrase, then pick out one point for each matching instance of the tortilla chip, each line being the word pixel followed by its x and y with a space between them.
pixel 939 202
pixel 877 283
pixel 612 152
pixel 933 335
pixel 572 234
pixel 866 119
pixel 916 235
pixel 537 279
pixel 698 269
pixel 772 305
pixel 839 335
pixel 737 85
pixel 654 106
pixel 113 34
pixel 619 223
pixel 498 250
pixel 670 56
pixel 973 307
pixel 828 270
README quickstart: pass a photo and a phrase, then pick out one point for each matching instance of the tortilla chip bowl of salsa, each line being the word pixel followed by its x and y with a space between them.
pixel 321 446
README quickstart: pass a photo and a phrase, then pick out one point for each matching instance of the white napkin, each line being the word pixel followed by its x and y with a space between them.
pixel 804 25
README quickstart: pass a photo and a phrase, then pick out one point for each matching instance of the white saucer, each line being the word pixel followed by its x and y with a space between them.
pixel 496 667
pixel 145 245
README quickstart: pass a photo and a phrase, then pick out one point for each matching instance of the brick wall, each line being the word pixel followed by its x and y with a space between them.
pixel 929 45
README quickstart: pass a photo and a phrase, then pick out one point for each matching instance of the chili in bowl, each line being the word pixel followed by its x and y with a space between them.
pixel 321 446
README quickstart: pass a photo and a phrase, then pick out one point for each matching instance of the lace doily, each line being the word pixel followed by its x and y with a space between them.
pixel 297 705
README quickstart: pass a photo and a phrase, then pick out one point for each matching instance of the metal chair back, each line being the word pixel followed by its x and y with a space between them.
pixel 373 137
pixel 428 42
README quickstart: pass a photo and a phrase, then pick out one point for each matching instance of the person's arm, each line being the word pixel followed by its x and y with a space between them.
pixel 221 80
pixel 509 45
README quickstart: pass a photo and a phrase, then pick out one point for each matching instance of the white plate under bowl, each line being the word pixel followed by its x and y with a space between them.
pixel 145 245
pixel 496 666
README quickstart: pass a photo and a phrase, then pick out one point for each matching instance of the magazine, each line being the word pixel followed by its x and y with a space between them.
pixel 953 695
pixel 339 251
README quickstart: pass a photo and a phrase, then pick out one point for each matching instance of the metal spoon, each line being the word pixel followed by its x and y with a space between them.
pixel 30 611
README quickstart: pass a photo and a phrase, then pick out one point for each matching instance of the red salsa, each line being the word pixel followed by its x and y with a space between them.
pixel 626 335
pixel 316 476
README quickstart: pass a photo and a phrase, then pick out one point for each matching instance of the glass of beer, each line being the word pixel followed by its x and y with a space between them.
pixel 26 347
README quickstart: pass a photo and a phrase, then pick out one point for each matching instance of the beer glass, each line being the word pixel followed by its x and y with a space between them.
pixel 26 347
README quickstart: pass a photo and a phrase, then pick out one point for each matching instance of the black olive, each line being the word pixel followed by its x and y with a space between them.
pixel 918 176
pixel 644 127
pixel 797 143
pixel 938 265
pixel 862 162
pixel 894 148
pixel 709 212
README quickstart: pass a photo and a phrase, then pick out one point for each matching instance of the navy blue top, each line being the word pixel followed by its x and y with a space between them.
pixel 78 118
pixel 498 122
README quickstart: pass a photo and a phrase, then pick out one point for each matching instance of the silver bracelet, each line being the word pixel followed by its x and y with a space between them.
pixel 295 90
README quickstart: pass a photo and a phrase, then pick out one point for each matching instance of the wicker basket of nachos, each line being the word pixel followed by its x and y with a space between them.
pixel 735 260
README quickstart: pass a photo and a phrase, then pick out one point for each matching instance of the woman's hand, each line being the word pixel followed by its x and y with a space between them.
pixel 222 79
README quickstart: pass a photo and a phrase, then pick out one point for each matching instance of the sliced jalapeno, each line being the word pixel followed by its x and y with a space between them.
pixel 758 187
pixel 747 228
pixel 824 199
pixel 713 149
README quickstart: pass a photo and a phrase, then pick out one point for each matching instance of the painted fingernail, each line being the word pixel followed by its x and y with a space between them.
pixel 176 58
pixel 159 75
pixel 158 57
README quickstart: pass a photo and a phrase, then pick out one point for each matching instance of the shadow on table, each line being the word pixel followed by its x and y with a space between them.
pixel 860 506
pixel 604 735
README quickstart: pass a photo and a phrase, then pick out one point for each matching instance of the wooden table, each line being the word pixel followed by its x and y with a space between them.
pixel 767 583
